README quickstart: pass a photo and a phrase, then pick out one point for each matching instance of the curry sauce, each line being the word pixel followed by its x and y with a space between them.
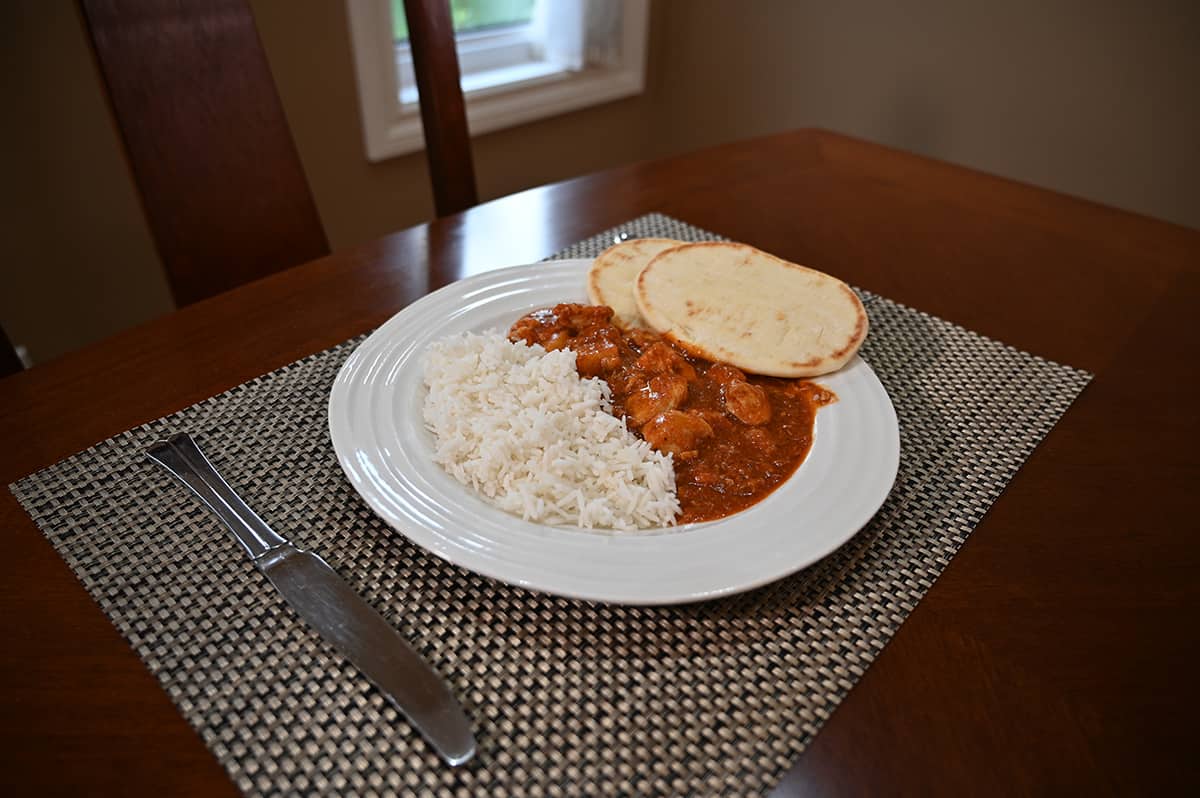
pixel 734 437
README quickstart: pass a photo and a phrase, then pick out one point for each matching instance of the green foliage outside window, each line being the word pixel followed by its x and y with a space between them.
pixel 471 15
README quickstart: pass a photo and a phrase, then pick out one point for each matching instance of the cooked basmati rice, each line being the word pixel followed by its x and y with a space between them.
pixel 518 425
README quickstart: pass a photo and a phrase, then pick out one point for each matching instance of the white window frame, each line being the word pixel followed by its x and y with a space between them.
pixel 496 98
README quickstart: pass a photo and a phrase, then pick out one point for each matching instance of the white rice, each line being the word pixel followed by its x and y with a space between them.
pixel 517 424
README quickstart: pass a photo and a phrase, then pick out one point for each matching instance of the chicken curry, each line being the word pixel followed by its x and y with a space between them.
pixel 733 437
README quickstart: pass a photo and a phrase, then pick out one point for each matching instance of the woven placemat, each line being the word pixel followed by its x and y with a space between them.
pixel 568 697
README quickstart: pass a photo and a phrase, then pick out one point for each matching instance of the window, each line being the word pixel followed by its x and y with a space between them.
pixel 520 60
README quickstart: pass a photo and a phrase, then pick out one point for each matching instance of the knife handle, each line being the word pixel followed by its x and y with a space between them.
pixel 180 456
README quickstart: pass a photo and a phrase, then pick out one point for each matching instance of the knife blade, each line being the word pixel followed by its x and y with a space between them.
pixel 323 599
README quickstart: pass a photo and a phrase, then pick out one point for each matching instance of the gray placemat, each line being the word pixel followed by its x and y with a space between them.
pixel 568 697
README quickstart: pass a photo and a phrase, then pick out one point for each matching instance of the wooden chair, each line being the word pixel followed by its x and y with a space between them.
pixel 209 148
pixel 443 112
pixel 208 144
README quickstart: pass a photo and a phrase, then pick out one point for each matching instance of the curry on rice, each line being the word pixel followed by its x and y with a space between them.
pixel 734 437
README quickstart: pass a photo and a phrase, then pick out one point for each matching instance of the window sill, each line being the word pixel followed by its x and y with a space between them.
pixel 494 102
pixel 478 84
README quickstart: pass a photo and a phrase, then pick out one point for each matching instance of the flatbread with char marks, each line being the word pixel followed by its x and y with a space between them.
pixel 732 303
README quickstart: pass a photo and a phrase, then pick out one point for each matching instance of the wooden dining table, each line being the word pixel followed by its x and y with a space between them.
pixel 1056 654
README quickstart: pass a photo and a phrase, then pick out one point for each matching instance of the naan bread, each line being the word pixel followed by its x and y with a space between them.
pixel 733 303
pixel 611 276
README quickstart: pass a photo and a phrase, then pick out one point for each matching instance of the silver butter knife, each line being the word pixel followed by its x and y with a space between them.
pixel 318 594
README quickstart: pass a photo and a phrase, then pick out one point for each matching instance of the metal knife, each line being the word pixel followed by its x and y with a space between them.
pixel 329 605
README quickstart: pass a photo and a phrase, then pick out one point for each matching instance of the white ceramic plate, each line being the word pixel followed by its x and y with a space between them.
pixel 382 444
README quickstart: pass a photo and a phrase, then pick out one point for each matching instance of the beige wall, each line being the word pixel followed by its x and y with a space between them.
pixel 1093 99
pixel 1096 98
pixel 79 263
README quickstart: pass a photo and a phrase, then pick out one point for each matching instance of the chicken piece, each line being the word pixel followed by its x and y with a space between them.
pixel 597 351
pixel 525 329
pixel 660 358
pixel 554 327
pixel 723 374
pixel 675 388
pixel 641 340
pixel 715 418
pixel 555 340
pixel 625 381
pixel 747 403
pixel 580 317
pixel 544 327
pixel 662 393
pixel 676 433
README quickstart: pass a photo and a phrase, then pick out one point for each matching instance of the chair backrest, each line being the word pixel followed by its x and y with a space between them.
pixel 208 144
pixel 443 111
